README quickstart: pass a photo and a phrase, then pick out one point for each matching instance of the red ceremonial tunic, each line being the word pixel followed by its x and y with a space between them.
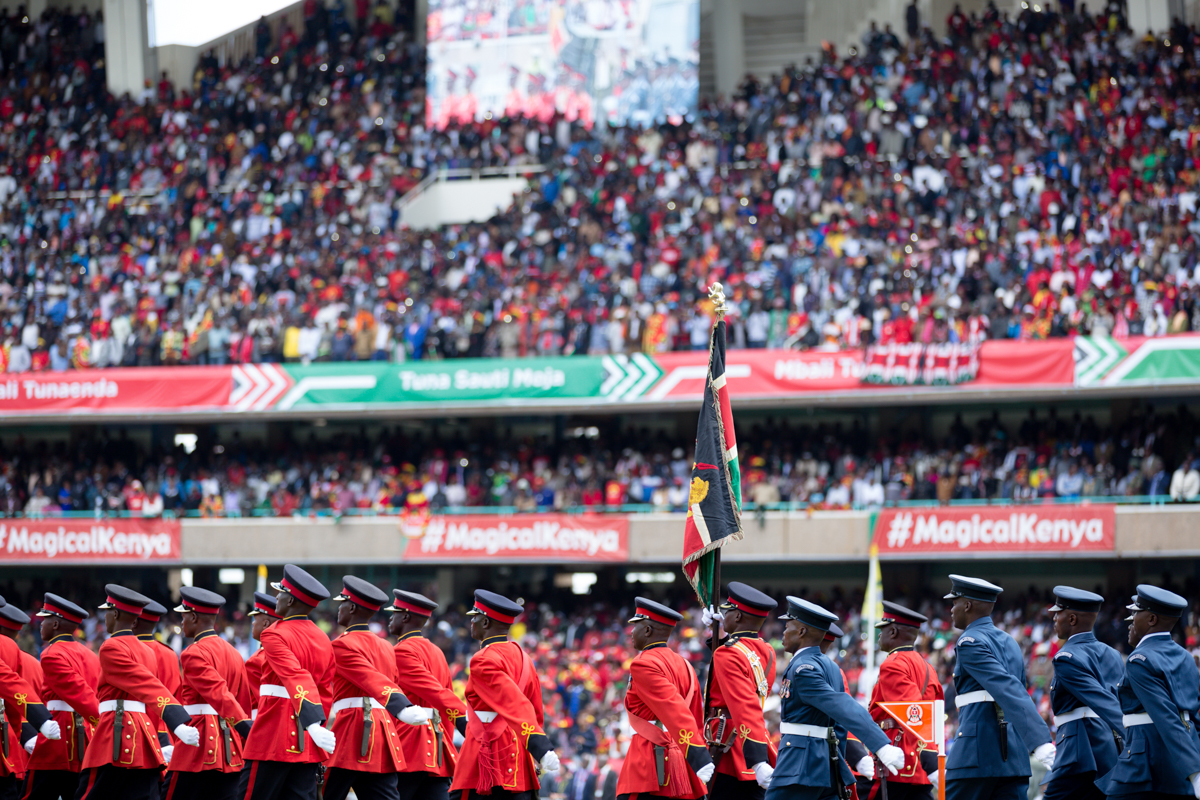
pixel 293 692
pixel 904 676
pixel 72 673
pixel 364 667
pixel 127 672
pixel 254 669
pixel 18 760
pixel 213 676
pixel 18 690
pixel 497 751
pixel 166 669
pixel 744 666
pixel 424 677
pixel 663 688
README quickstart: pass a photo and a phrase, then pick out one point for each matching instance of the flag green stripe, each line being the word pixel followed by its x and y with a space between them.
pixel 735 481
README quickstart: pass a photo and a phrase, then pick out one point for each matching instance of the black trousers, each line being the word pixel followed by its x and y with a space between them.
pixel 422 786
pixel 10 787
pixel 1081 786
pixel 107 782
pixel 497 794
pixel 50 784
pixel 987 789
pixel 793 792
pixel 366 785
pixel 207 785
pixel 279 780
pixel 896 791
pixel 727 787
pixel 1149 796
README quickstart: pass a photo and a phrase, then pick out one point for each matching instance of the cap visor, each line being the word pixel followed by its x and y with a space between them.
pixel 391 608
pixel 727 605
pixel 182 609
pixel 1055 607
pixel 45 614
pixel 1133 607
pixel 341 597
pixel 637 618
pixel 105 606
pixel 883 623
pixel 279 587
pixel 951 596
pixel 474 612
pixel 1129 618
pixel 786 616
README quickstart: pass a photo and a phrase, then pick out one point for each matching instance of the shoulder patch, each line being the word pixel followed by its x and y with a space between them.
pixel 806 666
pixel 966 639
pixel 1062 653
pixel 1137 657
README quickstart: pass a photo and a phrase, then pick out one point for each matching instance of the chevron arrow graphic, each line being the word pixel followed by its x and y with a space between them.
pixel 1094 357
pixel 628 377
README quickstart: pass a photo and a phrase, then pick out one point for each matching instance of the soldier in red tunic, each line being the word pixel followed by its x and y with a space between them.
pixel 262 616
pixel 743 672
pixel 424 677
pixel 904 676
pixel 505 743
pixel 22 704
pixel 667 757
pixel 367 702
pixel 72 672
pixel 165 659
pixel 124 758
pixel 17 729
pixel 216 693
pixel 289 740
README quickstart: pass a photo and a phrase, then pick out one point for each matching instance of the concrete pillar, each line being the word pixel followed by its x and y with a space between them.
pixel 728 46
pixel 1149 15
pixel 127 56
pixel 421 11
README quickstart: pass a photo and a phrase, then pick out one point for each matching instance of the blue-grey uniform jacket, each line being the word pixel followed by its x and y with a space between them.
pixel 1161 680
pixel 988 660
pixel 1086 675
pixel 812 693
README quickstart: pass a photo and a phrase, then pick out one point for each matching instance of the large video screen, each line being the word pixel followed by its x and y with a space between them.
pixel 615 61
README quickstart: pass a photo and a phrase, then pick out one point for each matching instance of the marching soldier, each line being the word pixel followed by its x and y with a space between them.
pixel 366 699
pixel 20 704
pixel 289 741
pixel 1159 699
pixel 816 712
pixel 164 656
pixel 262 616
pixel 743 672
pixel 905 677
pixel 17 731
pixel 424 677
pixel 998 725
pixel 124 758
pixel 216 693
pixel 72 673
pixel 863 766
pixel 1083 696
pixel 667 756
pixel 505 743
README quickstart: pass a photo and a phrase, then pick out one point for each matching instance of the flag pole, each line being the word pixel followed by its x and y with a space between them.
pixel 716 294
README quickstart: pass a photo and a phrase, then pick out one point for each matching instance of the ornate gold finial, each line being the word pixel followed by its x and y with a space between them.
pixel 716 293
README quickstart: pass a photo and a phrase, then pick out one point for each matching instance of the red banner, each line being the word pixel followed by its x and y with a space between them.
pixel 1006 362
pixel 89 540
pixel 527 537
pixel 126 389
pixel 996 529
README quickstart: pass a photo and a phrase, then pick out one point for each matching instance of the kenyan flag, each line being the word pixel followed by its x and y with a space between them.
pixel 715 502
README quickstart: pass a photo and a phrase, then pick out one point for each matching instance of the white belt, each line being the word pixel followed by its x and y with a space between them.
pixel 971 698
pixel 351 702
pixel 200 710
pixel 1083 712
pixel 273 690
pixel 800 729
pixel 254 714
pixel 131 707
pixel 1133 720
pixel 485 716
pixel 59 705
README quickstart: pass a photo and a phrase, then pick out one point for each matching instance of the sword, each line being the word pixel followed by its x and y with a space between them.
pixel 1003 732
pixel 879 768
pixel 367 722
pixel 118 725
pixel 439 733
pixel 80 735
pixel 226 739
pixel 3 730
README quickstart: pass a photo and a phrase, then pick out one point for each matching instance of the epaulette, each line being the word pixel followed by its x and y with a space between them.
pixel 1064 653
pixel 1137 657
pixel 806 666
pixel 966 639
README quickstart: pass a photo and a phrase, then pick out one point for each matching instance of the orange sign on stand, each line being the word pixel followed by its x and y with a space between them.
pixel 927 721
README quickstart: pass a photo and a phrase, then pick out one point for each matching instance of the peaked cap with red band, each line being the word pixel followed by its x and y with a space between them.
pixel 153 611
pixel 302 586
pixel 13 618
pixel 749 600
pixel 495 606
pixel 124 599
pixel 55 606
pixel 656 612
pixel 896 614
pixel 202 601
pixel 412 602
pixel 834 633
pixel 362 593
pixel 264 604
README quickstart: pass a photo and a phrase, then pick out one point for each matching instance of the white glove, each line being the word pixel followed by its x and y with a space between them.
pixel 322 737
pixel 762 773
pixel 415 715
pixel 705 773
pixel 458 739
pixel 188 735
pixel 1194 779
pixel 29 745
pixel 168 751
pixel 550 763
pixel 866 767
pixel 891 757
pixel 1045 754
pixel 50 730
pixel 707 615
pixel 933 780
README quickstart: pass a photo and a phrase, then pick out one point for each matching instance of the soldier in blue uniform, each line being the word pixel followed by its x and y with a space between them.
pixel 998 725
pixel 1084 698
pixel 1159 699
pixel 816 713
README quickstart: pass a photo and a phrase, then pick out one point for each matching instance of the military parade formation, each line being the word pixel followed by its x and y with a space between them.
pixel 305 717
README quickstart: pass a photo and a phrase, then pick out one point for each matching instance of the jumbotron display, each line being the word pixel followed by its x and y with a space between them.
pixel 620 61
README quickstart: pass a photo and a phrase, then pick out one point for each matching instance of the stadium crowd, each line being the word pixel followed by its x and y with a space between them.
pixel 1022 178
pixel 1035 458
